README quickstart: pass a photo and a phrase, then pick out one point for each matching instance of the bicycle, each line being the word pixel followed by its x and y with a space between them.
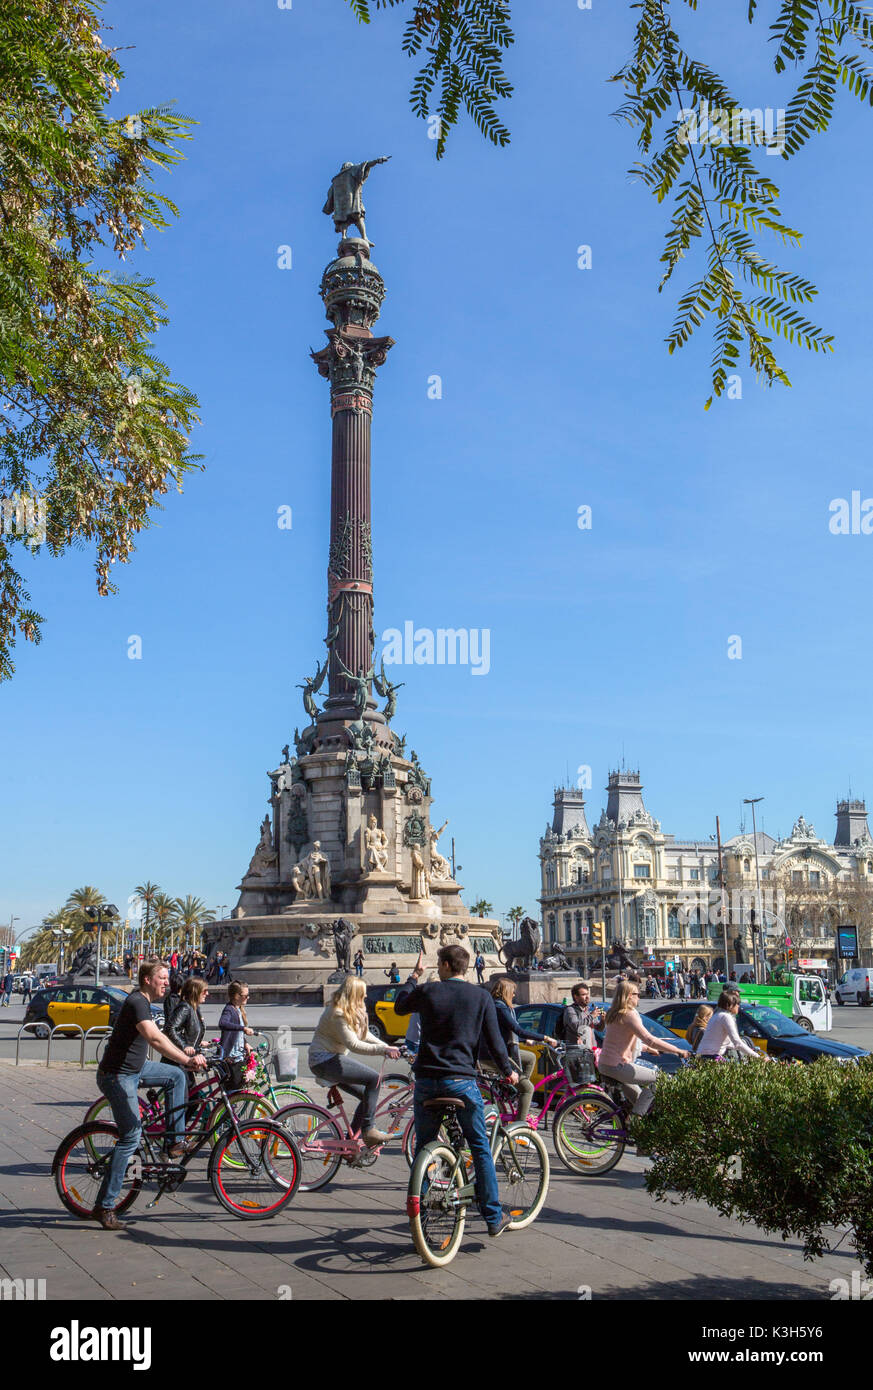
pixel 590 1129
pixel 440 1188
pixel 254 1167
pixel 551 1091
pixel 205 1109
pixel 325 1143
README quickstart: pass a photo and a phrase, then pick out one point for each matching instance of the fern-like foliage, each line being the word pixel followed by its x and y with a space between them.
pixel 718 188
pixel 463 43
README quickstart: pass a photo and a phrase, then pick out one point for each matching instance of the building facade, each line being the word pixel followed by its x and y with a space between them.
pixel 662 896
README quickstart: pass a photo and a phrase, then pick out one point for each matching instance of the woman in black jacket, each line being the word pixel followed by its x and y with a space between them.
pixel 502 992
pixel 185 1027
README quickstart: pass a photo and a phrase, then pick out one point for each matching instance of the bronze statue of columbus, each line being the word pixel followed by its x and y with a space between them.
pixel 344 202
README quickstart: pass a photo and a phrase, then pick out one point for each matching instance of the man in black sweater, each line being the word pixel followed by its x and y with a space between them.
pixel 454 1016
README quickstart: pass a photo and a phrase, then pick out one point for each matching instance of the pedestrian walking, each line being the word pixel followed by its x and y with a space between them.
pixel 26 989
pixel 479 963
pixel 359 963
pixel 8 982
pixel 680 984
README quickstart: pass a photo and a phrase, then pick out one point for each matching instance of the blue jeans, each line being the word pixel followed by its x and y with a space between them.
pixel 121 1092
pixel 472 1122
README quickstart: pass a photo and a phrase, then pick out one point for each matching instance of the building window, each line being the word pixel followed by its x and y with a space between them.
pixel 747 866
pixel 673 875
pixel 674 928
pixel 566 926
pixel 606 873
pixel 551 926
pixel 606 919
pixel 796 875
pixel 579 928
pixel 642 871
pixel 694 875
pixel 650 924
pixel 695 926
pixel 814 878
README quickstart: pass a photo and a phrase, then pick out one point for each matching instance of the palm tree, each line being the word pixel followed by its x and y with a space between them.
pixel 76 903
pixel 193 915
pixel 481 908
pixel 147 892
pixel 515 915
pixel 166 914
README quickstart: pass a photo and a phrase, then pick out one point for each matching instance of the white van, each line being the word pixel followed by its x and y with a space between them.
pixel 856 986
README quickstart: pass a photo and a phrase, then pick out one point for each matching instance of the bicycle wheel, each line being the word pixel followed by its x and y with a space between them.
pixel 247 1105
pixel 310 1127
pixel 588 1135
pixel 436 1213
pixel 408 1141
pixel 79 1166
pixel 522 1164
pixel 395 1081
pixel 282 1093
pixel 255 1172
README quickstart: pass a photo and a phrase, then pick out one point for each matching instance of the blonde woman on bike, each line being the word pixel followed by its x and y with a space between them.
pixel 698 1024
pixel 342 1029
pixel 624 1029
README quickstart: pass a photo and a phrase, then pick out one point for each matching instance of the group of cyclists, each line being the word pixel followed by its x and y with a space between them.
pixel 457 1029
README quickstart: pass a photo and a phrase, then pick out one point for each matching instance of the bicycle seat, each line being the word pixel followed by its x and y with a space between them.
pixel 444 1103
pixel 334 1097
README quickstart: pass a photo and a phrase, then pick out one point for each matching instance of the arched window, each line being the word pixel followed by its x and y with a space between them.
pixel 747 866
pixel 674 927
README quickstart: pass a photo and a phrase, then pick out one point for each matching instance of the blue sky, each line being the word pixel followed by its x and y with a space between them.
pixel 557 392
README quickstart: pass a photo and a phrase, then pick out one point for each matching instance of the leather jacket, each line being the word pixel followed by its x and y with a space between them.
pixel 186 1027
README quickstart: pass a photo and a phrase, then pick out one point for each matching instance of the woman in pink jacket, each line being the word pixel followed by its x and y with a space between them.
pixel 625 1037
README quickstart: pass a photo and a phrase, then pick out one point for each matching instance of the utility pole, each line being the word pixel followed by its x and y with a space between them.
pixel 724 925
pixel 753 801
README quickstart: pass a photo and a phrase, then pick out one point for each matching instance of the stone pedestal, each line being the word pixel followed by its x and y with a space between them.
pixel 541 986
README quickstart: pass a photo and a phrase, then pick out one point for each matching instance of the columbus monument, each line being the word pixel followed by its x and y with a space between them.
pixel 348 857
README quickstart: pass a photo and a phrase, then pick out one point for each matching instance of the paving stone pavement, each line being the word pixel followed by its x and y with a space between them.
pixel 351 1240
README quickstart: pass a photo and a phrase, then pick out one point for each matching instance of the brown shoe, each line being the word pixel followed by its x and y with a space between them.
pixel 179 1150
pixel 373 1137
pixel 107 1218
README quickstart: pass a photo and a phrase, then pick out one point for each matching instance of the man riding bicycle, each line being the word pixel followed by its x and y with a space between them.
pixel 125 1064
pixel 454 1015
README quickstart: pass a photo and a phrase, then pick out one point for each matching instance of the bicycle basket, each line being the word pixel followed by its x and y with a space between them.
pixel 285 1063
pixel 579 1066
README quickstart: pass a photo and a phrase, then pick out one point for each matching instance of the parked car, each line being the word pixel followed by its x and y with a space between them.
pixel 855 987
pixel 82 1006
pixel 767 1029
pixel 383 1021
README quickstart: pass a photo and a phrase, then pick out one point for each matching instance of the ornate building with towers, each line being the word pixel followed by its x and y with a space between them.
pixel 348 837
pixel 662 897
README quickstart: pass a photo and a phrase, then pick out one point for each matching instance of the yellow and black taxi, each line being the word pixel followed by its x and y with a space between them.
pixel 765 1028
pixel 383 1021
pixel 80 1005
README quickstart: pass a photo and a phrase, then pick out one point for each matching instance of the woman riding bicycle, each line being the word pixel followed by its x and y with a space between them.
pixel 624 1030
pixel 503 994
pixel 342 1029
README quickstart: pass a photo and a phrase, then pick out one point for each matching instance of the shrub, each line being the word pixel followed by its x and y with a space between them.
pixel 788 1147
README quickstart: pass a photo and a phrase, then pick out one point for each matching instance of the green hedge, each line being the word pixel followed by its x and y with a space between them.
pixel 788 1147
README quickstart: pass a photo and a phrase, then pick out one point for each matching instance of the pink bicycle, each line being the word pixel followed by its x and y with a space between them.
pixel 553 1091
pixel 325 1136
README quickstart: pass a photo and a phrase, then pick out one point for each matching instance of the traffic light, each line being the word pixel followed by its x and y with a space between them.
pixel 598 936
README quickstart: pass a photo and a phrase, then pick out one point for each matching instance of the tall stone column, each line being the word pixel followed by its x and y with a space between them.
pixel 352 290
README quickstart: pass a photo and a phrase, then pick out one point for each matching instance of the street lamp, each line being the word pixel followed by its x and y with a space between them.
pixel 753 801
pixel 107 912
